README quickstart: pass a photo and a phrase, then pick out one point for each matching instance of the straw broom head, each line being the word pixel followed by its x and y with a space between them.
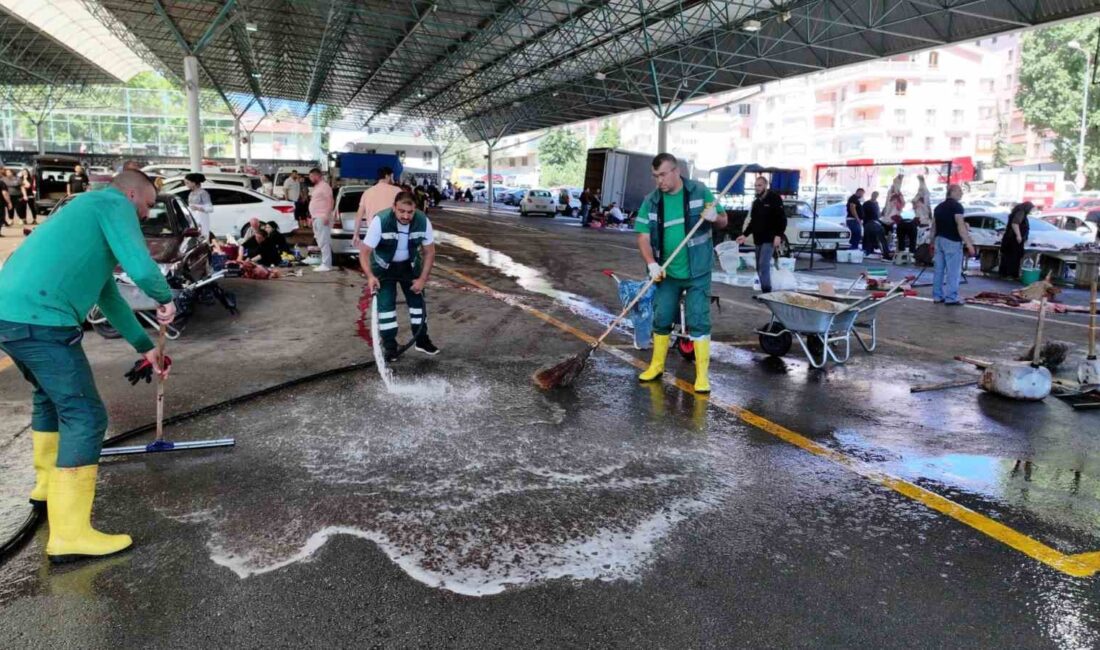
pixel 564 373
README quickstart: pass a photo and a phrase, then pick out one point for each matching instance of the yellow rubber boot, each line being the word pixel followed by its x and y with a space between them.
pixel 45 459
pixel 71 492
pixel 657 365
pixel 702 365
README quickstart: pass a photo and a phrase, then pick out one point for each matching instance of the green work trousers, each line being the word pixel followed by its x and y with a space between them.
pixel 666 305
pixel 65 396
pixel 399 273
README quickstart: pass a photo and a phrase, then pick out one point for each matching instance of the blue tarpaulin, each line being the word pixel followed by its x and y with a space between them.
pixel 642 313
pixel 784 181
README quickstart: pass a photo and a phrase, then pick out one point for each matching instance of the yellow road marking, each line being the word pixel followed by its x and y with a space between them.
pixel 5 363
pixel 1079 565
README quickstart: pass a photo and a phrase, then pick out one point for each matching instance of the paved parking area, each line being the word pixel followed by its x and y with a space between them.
pixel 792 508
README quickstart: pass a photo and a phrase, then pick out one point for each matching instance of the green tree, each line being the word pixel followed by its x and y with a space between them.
pixel 561 157
pixel 559 148
pixel 1052 78
pixel 570 174
pixel 151 80
pixel 1000 144
pixel 608 135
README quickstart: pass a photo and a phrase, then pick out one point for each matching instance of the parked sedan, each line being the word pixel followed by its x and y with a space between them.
pixel 987 229
pixel 234 206
pixel 538 202
pixel 802 232
pixel 1072 222
pixel 514 197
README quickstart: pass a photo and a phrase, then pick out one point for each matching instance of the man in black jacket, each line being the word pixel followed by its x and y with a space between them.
pixel 767 224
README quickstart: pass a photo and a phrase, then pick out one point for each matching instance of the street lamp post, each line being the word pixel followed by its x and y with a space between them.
pixel 1080 178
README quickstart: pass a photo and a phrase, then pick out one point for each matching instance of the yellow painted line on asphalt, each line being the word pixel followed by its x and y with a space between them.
pixel 1079 565
pixel 5 363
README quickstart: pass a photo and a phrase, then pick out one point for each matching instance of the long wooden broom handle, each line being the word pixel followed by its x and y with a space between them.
pixel 649 283
pixel 161 337
pixel 1092 320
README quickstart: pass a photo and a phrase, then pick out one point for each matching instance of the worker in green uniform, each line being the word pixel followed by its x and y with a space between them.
pixel 400 249
pixel 46 288
pixel 664 220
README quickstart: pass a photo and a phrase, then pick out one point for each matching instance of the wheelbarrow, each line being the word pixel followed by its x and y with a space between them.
pixel 818 322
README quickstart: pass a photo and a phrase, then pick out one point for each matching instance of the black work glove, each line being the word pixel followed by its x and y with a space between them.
pixel 144 370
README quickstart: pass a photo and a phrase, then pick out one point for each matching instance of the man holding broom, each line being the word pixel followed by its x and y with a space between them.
pixel 666 217
pixel 46 288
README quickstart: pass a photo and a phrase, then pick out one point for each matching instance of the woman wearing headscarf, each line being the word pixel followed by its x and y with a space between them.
pixel 26 196
pixel 1012 242
pixel 199 202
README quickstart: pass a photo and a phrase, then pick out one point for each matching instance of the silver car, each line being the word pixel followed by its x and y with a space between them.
pixel 343 223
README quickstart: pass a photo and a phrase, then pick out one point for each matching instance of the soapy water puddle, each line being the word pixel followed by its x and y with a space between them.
pixel 1055 488
pixel 476 485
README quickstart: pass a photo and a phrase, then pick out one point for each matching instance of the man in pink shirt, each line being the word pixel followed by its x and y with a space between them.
pixel 321 204
pixel 376 199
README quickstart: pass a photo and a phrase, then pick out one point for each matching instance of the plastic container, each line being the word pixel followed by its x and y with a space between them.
pixel 1029 276
pixel 729 256
pixel 843 257
pixel 786 264
pixel 855 256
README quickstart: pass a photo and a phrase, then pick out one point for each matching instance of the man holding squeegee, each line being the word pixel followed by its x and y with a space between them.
pixel 46 288
pixel 666 217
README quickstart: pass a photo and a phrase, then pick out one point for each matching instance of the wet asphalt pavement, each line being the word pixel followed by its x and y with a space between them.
pixel 472 510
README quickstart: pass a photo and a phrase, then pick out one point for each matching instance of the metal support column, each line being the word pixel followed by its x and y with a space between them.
pixel 438 168
pixel 237 142
pixel 489 177
pixel 248 150
pixel 662 136
pixel 194 126
pixel 129 123
pixel 41 133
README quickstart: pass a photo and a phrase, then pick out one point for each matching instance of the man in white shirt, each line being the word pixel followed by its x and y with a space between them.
pixel 400 249
pixel 377 198
pixel 615 215
pixel 292 191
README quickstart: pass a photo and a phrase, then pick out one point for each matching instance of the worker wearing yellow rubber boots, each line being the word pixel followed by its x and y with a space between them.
pixel 46 288
pixel 664 220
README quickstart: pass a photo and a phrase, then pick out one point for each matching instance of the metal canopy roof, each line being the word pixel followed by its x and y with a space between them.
pixel 31 55
pixel 507 66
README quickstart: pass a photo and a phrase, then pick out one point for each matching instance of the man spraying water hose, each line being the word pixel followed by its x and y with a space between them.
pixel 46 289
pixel 400 249
pixel 665 218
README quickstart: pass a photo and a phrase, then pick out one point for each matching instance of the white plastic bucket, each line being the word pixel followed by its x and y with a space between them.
pixel 729 256
pixel 843 257
pixel 855 256
pixel 786 264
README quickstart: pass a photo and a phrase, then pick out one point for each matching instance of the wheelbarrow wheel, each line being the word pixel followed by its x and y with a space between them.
pixel 686 348
pixel 778 343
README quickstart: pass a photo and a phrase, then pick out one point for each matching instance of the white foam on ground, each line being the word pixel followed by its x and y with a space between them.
pixel 608 555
